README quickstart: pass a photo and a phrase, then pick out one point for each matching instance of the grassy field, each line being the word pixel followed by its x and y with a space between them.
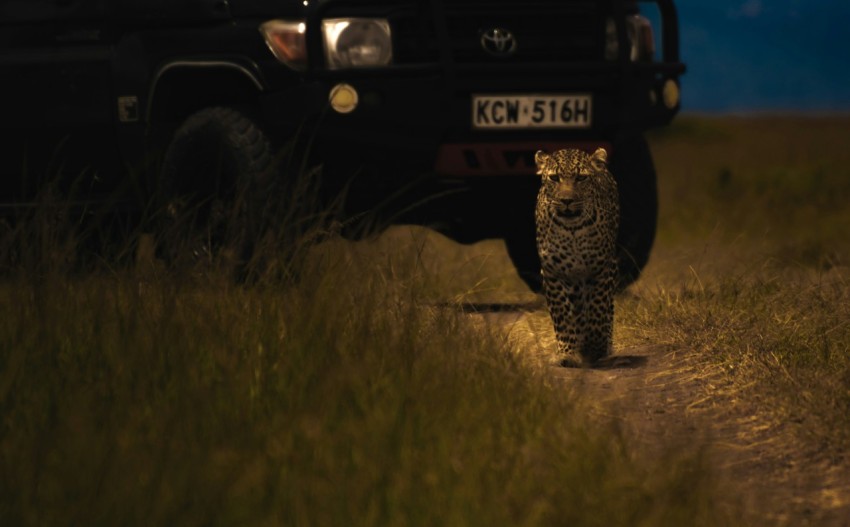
pixel 751 266
pixel 139 397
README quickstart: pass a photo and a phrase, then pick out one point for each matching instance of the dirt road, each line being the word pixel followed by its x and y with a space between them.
pixel 663 397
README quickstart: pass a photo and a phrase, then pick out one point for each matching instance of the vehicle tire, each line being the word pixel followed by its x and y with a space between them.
pixel 523 253
pixel 632 167
pixel 520 233
pixel 215 181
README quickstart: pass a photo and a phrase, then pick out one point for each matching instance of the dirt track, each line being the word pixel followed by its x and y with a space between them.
pixel 665 397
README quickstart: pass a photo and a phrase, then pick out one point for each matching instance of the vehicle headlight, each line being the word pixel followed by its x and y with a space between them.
pixel 357 42
pixel 640 35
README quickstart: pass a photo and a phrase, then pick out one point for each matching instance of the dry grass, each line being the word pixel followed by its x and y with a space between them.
pixel 140 396
pixel 751 265
pixel 137 396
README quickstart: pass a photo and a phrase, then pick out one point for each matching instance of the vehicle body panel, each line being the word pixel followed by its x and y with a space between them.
pixel 122 74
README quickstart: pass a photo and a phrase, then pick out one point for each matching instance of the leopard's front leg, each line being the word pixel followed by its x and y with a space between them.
pixel 599 315
pixel 564 301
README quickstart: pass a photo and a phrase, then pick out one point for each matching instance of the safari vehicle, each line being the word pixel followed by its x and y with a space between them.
pixel 427 111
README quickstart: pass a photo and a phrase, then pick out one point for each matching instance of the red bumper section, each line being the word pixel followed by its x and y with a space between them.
pixel 500 159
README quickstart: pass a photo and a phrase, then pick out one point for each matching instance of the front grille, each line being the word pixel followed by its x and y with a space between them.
pixel 554 31
pixel 415 39
pixel 544 31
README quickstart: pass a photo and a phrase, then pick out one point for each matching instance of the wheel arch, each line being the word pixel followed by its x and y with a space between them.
pixel 182 87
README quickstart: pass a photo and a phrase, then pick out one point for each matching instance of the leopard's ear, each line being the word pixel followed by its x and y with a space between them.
pixel 541 158
pixel 599 159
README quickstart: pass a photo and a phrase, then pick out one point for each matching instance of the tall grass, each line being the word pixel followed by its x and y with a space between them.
pixel 751 269
pixel 143 396
pixel 780 180
pixel 783 339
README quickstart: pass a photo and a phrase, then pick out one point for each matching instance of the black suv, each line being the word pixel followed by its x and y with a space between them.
pixel 427 111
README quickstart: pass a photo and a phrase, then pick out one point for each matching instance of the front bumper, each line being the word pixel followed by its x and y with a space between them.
pixel 427 113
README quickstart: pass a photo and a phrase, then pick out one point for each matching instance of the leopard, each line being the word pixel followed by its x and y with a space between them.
pixel 577 218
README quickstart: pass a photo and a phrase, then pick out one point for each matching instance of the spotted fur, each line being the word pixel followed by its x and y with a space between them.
pixel 577 219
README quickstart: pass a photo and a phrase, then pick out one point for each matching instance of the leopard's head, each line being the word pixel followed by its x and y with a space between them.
pixel 569 180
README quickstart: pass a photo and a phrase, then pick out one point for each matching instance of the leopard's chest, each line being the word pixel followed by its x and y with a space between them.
pixel 574 253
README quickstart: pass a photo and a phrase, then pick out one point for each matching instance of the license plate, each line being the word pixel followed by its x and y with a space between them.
pixel 531 111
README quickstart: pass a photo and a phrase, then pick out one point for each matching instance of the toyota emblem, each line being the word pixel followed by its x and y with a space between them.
pixel 499 42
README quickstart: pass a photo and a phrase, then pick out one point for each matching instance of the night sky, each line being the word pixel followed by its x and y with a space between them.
pixel 765 55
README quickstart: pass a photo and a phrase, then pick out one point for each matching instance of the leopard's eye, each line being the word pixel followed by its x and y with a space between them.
pixel 581 177
pixel 555 177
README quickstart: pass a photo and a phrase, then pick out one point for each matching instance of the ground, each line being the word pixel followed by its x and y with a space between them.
pixel 147 396
pixel 666 396
pixel 662 396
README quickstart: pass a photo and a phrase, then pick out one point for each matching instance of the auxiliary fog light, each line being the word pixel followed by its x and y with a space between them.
pixel 670 94
pixel 344 98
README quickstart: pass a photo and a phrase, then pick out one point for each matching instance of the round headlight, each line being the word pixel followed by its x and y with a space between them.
pixel 357 42
pixel 641 39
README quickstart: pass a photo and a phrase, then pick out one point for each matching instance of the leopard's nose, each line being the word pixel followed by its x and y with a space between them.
pixel 566 194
